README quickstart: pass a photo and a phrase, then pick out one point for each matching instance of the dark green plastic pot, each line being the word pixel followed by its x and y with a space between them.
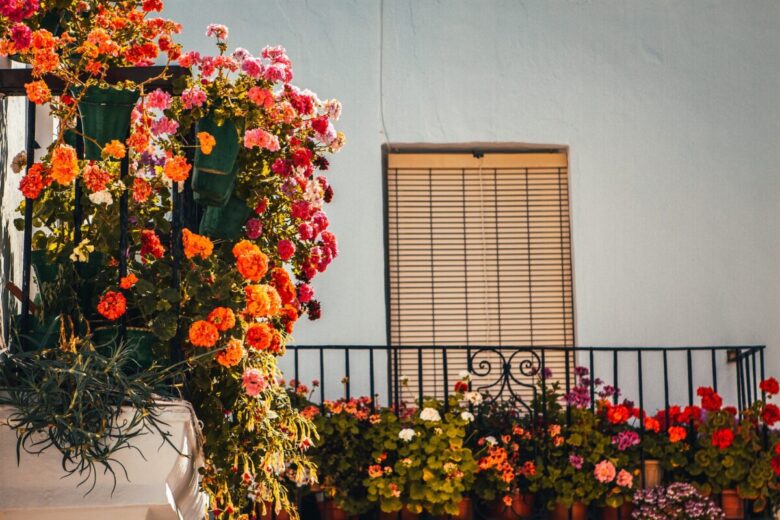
pixel 214 174
pixel 227 222
pixel 45 269
pixel 105 116
pixel 39 335
pixel 139 339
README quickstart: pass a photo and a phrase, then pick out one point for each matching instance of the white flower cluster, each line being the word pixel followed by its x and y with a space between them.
pixel 430 414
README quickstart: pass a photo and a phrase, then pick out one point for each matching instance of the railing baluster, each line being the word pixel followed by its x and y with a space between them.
pixel 615 381
pixel 420 375
pixel 666 388
pixel 372 390
pixel 640 382
pixel 592 373
pixel 445 373
pixel 714 363
pixel 322 376
pixel 348 382
pixel 28 220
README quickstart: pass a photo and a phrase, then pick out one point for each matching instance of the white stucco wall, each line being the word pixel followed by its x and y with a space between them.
pixel 671 111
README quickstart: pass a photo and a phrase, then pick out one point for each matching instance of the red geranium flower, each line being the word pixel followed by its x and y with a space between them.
pixel 710 400
pixel 770 414
pixel 770 386
pixel 722 438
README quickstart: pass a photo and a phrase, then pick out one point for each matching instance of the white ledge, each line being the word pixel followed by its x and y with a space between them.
pixel 162 487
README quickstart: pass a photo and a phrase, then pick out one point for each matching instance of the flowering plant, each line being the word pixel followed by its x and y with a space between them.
pixel 421 461
pixel 729 450
pixel 342 454
pixel 676 501
pixel 504 464
pixel 667 438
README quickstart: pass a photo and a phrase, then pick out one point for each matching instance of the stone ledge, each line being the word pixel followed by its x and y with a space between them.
pixel 164 486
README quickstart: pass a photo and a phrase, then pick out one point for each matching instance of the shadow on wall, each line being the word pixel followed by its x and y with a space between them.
pixel 7 267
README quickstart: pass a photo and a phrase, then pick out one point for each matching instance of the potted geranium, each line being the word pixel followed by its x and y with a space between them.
pixel 666 443
pixel 423 464
pixel 730 458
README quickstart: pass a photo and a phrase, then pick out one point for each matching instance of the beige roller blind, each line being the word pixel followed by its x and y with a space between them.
pixel 479 255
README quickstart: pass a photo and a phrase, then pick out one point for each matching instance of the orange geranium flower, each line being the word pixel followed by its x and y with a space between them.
pixel 203 334
pixel 242 247
pixel 677 434
pixel 112 305
pixel 128 281
pixel 177 169
pixel 231 355
pixel 34 182
pixel 196 245
pixel 38 92
pixel 280 279
pixel 260 336
pixel 252 265
pixel 64 164
pixel 115 150
pixel 262 301
pixel 290 316
pixel 95 177
pixel 222 318
pixel 141 189
pixel 138 140
pixel 207 142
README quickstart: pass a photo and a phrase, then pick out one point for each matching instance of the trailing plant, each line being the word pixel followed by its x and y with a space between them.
pixel 677 501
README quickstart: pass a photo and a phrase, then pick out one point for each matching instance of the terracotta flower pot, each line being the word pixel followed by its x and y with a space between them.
pixel 732 504
pixel 403 514
pixel 522 506
pixel 330 511
pixel 214 175
pixel 653 474
pixel 105 116
pixel 464 511
pixel 561 512
pixel 269 513
pixel 617 513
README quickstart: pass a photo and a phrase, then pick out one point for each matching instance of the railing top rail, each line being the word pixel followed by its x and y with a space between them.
pixel 746 348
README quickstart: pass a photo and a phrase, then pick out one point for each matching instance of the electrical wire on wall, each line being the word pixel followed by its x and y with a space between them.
pixel 381 70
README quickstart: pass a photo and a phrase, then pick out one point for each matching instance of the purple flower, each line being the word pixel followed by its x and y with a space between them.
pixel 581 371
pixel 576 461
pixel 625 440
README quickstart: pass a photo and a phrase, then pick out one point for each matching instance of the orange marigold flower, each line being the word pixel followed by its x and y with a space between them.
pixel 262 301
pixel 242 247
pixel 280 279
pixel 64 164
pixel 252 265
pixel 231 355
pixel 112 305
pixel 38 92
pixel 141 189
pixel 128 281
pixel 177 169
pixel 114 149
pixel 196 245
pixel 95 178
pixel 260 336
pixel 203 334
pixel 222 318
pixel 207 142
pixel 34 182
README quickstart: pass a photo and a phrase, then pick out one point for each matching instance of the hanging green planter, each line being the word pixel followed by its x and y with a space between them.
pixel 141 340
pixel 40 334
pixel 214 174
pixel 227 222
pixel 105 116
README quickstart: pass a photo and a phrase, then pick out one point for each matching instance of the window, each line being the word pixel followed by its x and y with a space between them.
pixel 478 254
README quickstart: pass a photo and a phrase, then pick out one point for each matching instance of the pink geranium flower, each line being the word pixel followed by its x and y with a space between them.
pixel 625 479
pixel 159 100
pixel 217 30
pixel 253 381
pixel 262 139
pixel 193 97
pixel 605 471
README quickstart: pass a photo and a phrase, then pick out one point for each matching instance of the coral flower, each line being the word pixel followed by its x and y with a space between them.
pixel 222 318
pixel 257 137
pixel 95 178
pixel 139 140
pixel 196 245
pixel 677 434
pixel 260 336
pixel 625 479
pixel 262 301
pixel 604 471
pixel 242 247
pixel 280 279
pixel 252 265
pixel 112 305
pixel 64 164
pixel 128 281
pixel 203 334
pixel 261 97
pixel 618 414
pixel 114 149
pixel 253 382
pixel 34 182
pixel 38 92
pixel 207 142
pixel 141 190
pixel 231 355
pixel 177 169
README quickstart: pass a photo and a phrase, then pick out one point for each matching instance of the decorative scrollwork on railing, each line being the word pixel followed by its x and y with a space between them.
pixel 505 374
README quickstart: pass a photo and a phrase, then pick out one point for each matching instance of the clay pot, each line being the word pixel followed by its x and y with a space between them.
pixel 269 514
pixel 578 512
pixel 653 474
pixel 617 513
pixel 732 505
pixel 464 511
pixel 403 514
pixel 522 507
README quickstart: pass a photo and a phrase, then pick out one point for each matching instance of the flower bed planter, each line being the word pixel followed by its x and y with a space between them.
pixel 617 513
pixel 578 511
pixel 522 506
pixel 732 505
pixel 163 485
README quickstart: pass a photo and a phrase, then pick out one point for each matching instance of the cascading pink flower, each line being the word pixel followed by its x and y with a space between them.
pixel 261 97
pixel 217 30
pixel 189 59
pixel 625 479
pixel 21 35
pixel 18 10
pixel 253 382
pixel 262 139
pixel 164 126
pixel 159 100
pixel 253 67
pixel 193 97
pixel 605 471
